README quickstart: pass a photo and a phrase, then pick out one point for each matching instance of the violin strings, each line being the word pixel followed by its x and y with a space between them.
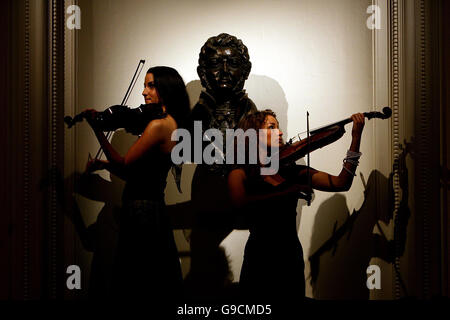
pixel 125 99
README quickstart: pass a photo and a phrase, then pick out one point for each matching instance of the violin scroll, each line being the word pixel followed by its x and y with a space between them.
pixel 72 121
pixel 387 112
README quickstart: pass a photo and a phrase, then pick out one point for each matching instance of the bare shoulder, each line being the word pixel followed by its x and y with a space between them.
pixel 160 127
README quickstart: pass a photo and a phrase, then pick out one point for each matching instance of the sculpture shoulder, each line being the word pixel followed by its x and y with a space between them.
pixel 251 107
pixel 200 111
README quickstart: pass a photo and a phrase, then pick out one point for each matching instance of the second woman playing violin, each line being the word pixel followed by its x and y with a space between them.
pixel 273 263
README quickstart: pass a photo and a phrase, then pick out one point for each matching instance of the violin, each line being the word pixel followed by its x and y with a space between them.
pixel 120 116
pixel 321 137
pixel 133 120
pixel 294 150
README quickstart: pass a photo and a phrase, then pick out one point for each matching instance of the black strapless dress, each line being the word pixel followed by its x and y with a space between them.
pixel 147 263
pixel 273 263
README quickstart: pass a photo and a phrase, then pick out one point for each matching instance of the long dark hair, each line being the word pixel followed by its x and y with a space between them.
pixel 172 93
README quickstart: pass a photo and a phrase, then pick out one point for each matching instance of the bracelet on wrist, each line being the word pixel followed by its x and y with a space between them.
pixel 352 173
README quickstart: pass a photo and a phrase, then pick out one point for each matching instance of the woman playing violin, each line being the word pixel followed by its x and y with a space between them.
pixel 147 258
pixel 273 259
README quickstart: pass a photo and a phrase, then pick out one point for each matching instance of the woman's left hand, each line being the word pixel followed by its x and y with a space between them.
pixel 90 115
pixel 358 124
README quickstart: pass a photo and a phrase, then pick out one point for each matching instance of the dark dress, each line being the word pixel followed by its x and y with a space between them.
pixel 147 261
pixel 273 265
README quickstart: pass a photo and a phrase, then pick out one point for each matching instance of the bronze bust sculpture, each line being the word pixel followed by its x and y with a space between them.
pixel 224 65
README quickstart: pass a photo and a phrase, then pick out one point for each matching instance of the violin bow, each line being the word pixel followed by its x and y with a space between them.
pixel 307 158
pixel 139 68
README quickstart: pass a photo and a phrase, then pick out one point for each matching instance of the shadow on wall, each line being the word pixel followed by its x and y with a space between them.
pixel 343 244
pixel 100 237
pixel 207 218
pixel 267 93
pixel 194 88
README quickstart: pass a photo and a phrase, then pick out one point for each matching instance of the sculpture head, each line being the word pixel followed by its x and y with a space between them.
pixel 224 65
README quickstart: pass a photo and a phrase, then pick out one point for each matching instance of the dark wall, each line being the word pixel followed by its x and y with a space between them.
pixel 32 143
